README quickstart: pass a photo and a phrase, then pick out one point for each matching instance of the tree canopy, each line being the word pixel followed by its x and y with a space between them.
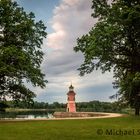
pixel 21 38
pixel 114 43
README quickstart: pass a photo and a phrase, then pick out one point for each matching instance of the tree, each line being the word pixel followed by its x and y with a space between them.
pixel 3 106
pixel 114 43
pixel 20 52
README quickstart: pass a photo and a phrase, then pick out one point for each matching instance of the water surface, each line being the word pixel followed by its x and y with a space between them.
pixel 26 114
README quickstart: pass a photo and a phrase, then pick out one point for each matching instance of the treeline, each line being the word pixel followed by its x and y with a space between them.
pixel 97 106
pixel 35 105
pixel 92 106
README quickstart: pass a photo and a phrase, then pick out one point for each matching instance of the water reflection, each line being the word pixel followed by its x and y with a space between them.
pixel 26 115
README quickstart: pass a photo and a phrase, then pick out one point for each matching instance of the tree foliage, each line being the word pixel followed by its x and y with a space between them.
pixel 20 52
pixel 114 43
pixel 92 106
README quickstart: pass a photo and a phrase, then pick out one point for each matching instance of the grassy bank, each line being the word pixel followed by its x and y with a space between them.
pixel 72 129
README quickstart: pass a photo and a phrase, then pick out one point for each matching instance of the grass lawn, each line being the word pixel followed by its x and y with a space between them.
pixel 72 129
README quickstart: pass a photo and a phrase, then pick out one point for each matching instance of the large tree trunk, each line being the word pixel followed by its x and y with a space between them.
pixel 137 113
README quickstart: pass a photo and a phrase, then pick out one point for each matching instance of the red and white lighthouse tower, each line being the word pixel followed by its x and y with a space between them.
pixel 71 107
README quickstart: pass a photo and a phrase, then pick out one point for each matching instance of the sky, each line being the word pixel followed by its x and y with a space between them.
pixel 66 20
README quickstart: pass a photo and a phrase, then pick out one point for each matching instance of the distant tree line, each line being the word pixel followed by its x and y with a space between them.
pixel 97 106
pixel 92 106
pixel 35 105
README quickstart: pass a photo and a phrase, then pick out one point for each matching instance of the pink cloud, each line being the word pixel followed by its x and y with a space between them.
pixel 72 18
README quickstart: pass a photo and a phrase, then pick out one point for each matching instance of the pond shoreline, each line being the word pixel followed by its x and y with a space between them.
pixel 107 115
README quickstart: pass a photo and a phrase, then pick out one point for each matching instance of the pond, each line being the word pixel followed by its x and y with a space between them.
pixel 26 114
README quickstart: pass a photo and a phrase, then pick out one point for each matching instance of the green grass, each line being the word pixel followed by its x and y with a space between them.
pixel 70 129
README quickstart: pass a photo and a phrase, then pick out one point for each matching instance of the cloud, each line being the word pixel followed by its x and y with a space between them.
pixel 71 19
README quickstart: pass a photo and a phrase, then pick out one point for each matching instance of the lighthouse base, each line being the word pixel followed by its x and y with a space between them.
pixel 77 114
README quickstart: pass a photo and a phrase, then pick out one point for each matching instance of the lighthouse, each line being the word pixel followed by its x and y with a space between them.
pixel 71 107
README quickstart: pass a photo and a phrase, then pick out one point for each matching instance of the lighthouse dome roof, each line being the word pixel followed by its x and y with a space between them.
pixel 71 86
